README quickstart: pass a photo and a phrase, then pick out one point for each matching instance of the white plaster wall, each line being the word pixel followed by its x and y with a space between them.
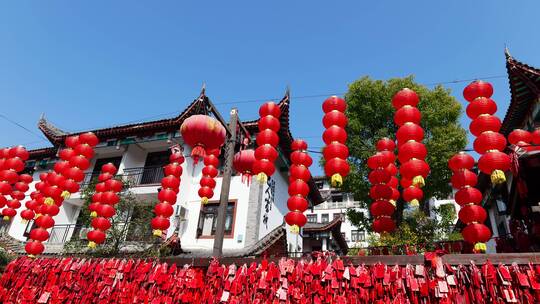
pixel 133 157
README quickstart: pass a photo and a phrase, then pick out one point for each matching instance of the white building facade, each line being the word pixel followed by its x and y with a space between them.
pixel 254 214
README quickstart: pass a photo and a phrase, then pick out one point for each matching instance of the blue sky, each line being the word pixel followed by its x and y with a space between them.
pixel 99 63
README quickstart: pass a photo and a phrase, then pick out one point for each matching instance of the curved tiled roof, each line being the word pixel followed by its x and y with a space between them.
pixel 524 83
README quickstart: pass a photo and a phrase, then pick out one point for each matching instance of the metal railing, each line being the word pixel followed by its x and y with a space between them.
pixel 60 234
pixel 144 175
pixel 135 176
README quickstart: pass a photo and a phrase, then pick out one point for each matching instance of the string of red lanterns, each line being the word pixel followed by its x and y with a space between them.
pixel 335 152
pixel 202 133
pixel 11 163
pixel 107 189
pixel 33 206
pixel 267 141
pixel 208 182
pixel 485 126
pixel 411 151
pixel 472 214
pixel 526 140
pixel 243 163
pixel 381 209
pixel 299 175
pixel 57 186
pixel 168 194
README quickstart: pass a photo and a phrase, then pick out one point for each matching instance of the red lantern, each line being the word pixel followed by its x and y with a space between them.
pixel 385 144
pixel 301 158
pixel 334 134
pixel 173 169
pixel 477 89
pixel 109 168
pixel 413 195
pixel 335 150
pixel 202 133
pixel 164 209
pixel 379 160
pixel 379 176
pixel 298 187
pixel 489 141
pixel 407 114
pixel 518 135
pixel 299 172
pixel 334 103
pixel 101 223
pixel 295 219
pixel 405 97
pixel 85 150
pixel 460 161
pixel 463 178
pixel 88 138
pixel 481 105
pixel 337 168
pixel 95 237
pixel 383 224
pixel 494 163
pixel 380 192
pixel 468 195
pixel 472 214
pixel 392 169
pixel 27 214
pixel 243 163
pixel 483 123
pixel 476 233
pixel 34 248
pixel 409 131
pixel 381 207
pixel 411 149
pixel 413 169
pixel 335 118
pixel 270 123
pixel 297 203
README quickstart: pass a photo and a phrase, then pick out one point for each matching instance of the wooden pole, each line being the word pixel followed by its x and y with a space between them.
pixel 225 186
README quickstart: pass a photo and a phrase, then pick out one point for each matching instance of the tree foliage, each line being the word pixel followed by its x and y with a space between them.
pixel 371 115
pixel 132 221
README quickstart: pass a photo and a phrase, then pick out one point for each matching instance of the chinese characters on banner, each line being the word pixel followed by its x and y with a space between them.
pixel 268 199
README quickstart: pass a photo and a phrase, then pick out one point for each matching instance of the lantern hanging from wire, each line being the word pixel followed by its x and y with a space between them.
pixel 59 184
pixel 485 126
pixel 106 208
pixel 299 176
pixel 335 152
pixel 208 182
pixel 267 141
pixel 243 163
pixel 168 194
pixel 383 195
pixel 472 214
pixel 202 133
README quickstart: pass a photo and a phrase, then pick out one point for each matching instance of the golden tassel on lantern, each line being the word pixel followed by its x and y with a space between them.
pixel 336 180
pixel 418 181
pixel 393 202
pixel 498 177
pixel 480 247
pixel 93 214
pixel 49 201
pixel 204 200
pixel 24 221
pixel 295 229
pixel 157 233
pixel 414 203
pixel 65 194
pixel 6 218
pixel 262 177
pixel 92 245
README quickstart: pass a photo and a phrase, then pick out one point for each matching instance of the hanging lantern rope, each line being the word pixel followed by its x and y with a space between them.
pixel 56 186
pixel 299 175
pixel 167 196
pixel 267 141
pixel 12 161
pixel 411 151
pixel 472 214
pixel 485 126
pixel 335 152
pixel 105 209
pixel 209 173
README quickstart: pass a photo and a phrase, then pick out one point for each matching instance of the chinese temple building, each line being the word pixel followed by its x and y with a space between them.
pixel 514 206
pixel 254 217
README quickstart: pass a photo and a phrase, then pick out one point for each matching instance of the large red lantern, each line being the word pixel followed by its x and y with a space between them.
pixel 477 88
pixel 169 192
pixel 202 133
pixel 489 140
pixel 484 123
pixel 405 97
pixel 299 175
pixel 409 131
pixel 494 163
pixel 335 136
pixel 381 208
pixel 384 224
pixel 481 105
pixel 243 163
pixel 263 165
pixel 468 195
pixel 519 137
pixel 411 149
pixel 407 114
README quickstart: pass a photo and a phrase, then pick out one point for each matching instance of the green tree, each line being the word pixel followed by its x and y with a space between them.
pixel 131 222
pixel 371 115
